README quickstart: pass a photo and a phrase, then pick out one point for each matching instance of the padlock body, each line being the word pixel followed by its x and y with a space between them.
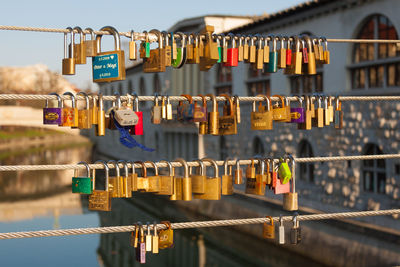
pixel 109 66
pixel 52 116
pixel 138 128
pixel 297 115
pixel 100 200
pixel 82 185
pixel 272 65
pixel 290 201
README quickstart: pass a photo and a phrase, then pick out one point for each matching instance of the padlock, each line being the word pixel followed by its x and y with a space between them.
pixel 68 62
pixel 287 107
pixel 154 239
pixel 132 47
pixel 288 52
pixel 174 49
pixel 133 176
pixel 269 228
pixel 279 187
pixel 330 108
pixel 227 124
pixel 82 184
pixel 273 173
pixel 99 199
pixel 297 57
pixel 224 53
pixel 166 181
pixel 116 189
pixel 109 66
pixel 53 115
pixel 156 61
pixel 126 180
pixel 327 116
pixel 240 47
pixel 168 109
pixel 316 49
pixel 281 231
pixel 262 118
pixel 251 179
pixel 213 126
pixel 123 115
pixel 232 53
pixel 199 179
pixel 94 110
pixel 297 114
pixel 213 184
pixel 141 248
pixel 84 115
pixel 134 240
pixel 311 67
pixel 196 50
pixel 180 54
pixel 200 111
pixel 227 177
pixel 279 113
pixel 166 236
pixel 80 48
pixel 252 50
pixel 259 53
pixel 246 48
pixel 281 53
pixel 219 48
pixel 338 114
pixel 156 111
pixel 238 173
pixel 185 111
pixel 148 238
pixel 154 180
pixel 138 128
pixel 307 124
pixel 91 45
pixel 145 46
pixel 295 232
pixel 290 200
pixel 203 125
pixel 318 121
pixel 142 181
pixel 70 115
pixel 261 178
pixel 266 47
pixel 236 103
pixel 190 49
pixel 168 49
pixel 268 177
pixel 177 187
pixel 101 117
pixel 326 58
pixel 186 181
pixel 304 51
pixel 284 173
pixel 272 65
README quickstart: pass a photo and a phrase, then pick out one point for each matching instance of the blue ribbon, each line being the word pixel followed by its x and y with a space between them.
pixel 126 139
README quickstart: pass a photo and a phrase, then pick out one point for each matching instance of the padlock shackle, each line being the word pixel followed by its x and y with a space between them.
pixel 73 101
pixel 226 167
pixel 86 99
pixel 116 167
pixel 87 168
pixel 136 99
pixel 272 39
pixel 69 53
pixel 91 32
pixel 229 99
pixel 82 37
pixel 214 102
pixel 155 99
pixel 271 220
pixel 236 101
pixel 189 98
pixel 125 164
pixel 214 163
pixel 144 169
pixel 159 36
pixel 291 158
pixel 299 99
pixel 169 167
pixel 261 163
pixel 60 102
pixel 101 102
pixel 323 38
pixel 154 167
pixel 114 32
pixel 282 100
pixel 132 166
pixel 185 167
pixel 203 99
pixel 233 39
pixel 166 38
pixel 107 174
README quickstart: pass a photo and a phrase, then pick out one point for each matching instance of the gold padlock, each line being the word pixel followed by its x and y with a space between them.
pixel 199 179
pixel 84 115
pixel 115 184
pixel 126 180
pixel 154 181
pixel 261 119
pixel 251 179
pixel 213 184
pixel 91 45
pixel 269 229
pixel 100 200
pixel 227 179
pixel 70 115
pixel 166 181
pixel 80 48
pixel 177 187
pixel 238 173
pixel 279 113
pixel 142 181
pixel 156 61
pixel 227 124
pixel 68 62
pixel 186 181
pixel 290 200
pixel 213 126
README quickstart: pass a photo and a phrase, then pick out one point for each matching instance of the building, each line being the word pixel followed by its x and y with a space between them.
pixel 355 69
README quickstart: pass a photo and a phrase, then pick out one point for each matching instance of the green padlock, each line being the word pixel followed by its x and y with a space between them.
pixel 284 172
pixel 84 184
pixel 219 51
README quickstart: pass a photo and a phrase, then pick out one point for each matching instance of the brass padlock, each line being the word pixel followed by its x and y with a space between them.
pixel 154 180
pixel 290 200
pixel 266 48
pixel 238 173
pixel 287 106
pixel 168 49
pixel 70 115
pixel 327 116
pixel 177 187
pixel 84 115
pixel 100 200
pixel 80 48
pixel 94 110
pixel 262 119
pixel 227 179
pixel 312 66
pixel 338 114
pixel 227 124
pixel 240 47
pixel 166 236
pixel 261 178
pixel 279 113
pixel 190 49
pixel 133 176
pixel 186 181
pixel 115 183
pixel 236 103
pixel 318 121
pixel 166 181
pixel 251 178
pixel 132 47
pixel 210 55
pixel 269 228
pixel 203 125
pixel 126 180
pixel 252 50
pixel 199 179
pixel 213 126
pixel 142 181
pixel 281 53
pixel 297 57
pixel 68 62
pixel 91 45
pixel 326 58
pixel 213 184
pixel 109 66
pixel 101 118
pixel 260 53
pixel 156 61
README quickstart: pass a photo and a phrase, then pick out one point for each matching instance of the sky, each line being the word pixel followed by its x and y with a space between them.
pixel 19 48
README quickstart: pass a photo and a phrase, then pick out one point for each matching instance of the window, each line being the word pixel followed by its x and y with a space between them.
pixel 142 91
pixel 156 84
pixel 376 65
pixel 224 80
pixel 258 82
pixel 258 147
pixel 306 169
pixel 374 171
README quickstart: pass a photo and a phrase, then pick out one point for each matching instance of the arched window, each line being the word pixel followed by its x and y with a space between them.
pixel 306 84
pixel 224 80
pixel 306 169
pixel 376 65
pixel 374 171
pixel 258 147
pixel 258 82
pixel 142 91
pixel 156 84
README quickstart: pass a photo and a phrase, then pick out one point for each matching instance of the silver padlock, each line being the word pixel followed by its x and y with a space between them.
pixel 281 231
pixel 124 116
pixel 156 111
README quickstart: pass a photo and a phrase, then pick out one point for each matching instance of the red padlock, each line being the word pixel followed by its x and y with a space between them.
pixel 233 53
pixel 304 51
pixel 138 128
pixel 289 52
